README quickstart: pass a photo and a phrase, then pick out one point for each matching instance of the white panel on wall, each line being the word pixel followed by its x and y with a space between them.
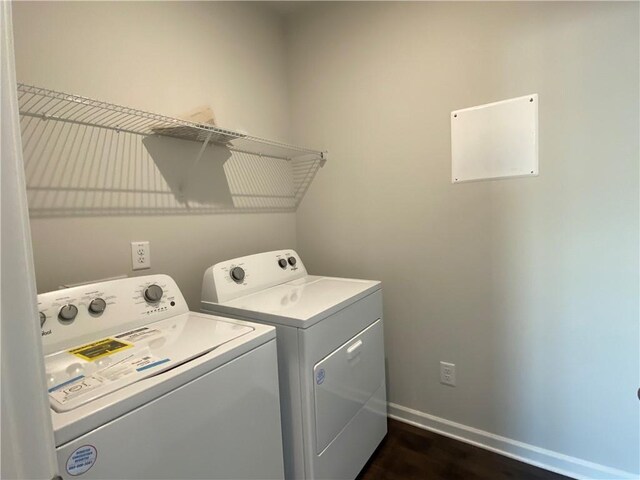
pixel 495 140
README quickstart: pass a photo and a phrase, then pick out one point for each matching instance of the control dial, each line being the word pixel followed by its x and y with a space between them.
pixel 97 306
pixel 68 313
pixel 153 293
pixel 283 263
pixel 43 318
pixel 237 274
pixel 292 261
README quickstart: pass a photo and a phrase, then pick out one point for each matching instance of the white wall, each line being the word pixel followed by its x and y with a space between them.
pixel 530 286
pixel 165 57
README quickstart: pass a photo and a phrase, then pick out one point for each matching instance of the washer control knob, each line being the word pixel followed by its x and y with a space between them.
pixel 43 318
pixel 97 306
pixel 237 274
pixel 283 263
pixel 292 261
pixel 153 293
pixel 68 313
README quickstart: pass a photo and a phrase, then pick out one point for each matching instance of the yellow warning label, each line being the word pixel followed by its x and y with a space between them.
pixel 99 349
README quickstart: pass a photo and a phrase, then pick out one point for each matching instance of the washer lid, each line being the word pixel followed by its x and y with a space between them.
pixel 89 371
pixel 300 303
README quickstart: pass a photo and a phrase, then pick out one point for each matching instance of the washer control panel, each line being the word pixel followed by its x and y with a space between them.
pixel 225 281
pixel 74 315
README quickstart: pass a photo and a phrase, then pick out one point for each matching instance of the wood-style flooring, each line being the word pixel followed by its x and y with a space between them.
pixel 409 453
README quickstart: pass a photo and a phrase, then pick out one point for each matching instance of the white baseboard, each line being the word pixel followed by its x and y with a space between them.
pixel 539 457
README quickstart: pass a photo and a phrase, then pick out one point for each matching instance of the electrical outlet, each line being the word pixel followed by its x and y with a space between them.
pixel 140 255
pixel 448 373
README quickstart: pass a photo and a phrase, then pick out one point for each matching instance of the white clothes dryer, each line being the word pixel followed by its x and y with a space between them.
pixel 330 356
pixel 141 388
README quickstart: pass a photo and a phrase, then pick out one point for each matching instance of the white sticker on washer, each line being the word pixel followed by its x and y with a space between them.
pixel 80 386
pixel 81 460
pixel 126 366
pixel 76 389
pixel 138 334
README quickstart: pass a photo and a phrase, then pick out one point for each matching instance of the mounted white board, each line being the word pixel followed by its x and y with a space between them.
pixel 495 140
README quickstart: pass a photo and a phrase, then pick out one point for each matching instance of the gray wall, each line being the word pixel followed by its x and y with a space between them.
pixel 530 286
pixel 162 57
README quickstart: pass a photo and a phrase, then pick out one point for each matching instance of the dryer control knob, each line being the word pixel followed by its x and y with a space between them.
pixel 292 261
pixel 283 263
pixel 153 293
pixel 68 313
pixel 97 306
pixel 43 318
pixel 237 274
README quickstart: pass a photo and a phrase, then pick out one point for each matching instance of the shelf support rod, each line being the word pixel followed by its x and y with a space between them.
pixel 201 152
pixel 323 158
pixel 194 165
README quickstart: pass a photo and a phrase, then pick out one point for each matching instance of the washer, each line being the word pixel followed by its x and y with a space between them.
pixel 141 388
pixel 330 356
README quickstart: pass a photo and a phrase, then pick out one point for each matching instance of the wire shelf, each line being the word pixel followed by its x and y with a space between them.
pixel 78 163
pixel 48 104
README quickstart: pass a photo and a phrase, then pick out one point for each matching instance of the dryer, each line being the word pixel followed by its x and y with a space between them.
pixel 330 356
pixel 141 388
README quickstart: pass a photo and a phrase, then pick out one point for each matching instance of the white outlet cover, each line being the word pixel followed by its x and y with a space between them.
pixel 140 255
pixel 448 373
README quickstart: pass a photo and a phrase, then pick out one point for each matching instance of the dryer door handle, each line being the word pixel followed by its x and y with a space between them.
pixel 354 349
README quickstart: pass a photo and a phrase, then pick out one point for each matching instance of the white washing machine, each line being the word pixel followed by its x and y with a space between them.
pixel 141 388
pixel 330 357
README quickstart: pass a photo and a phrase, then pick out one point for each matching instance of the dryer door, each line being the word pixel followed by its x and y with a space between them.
pixel 345 380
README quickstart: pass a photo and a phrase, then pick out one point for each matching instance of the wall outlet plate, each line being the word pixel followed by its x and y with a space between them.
pixel 140 255
pixel 448 373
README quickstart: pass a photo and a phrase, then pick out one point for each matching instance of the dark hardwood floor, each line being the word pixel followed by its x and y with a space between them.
pixel 409 453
